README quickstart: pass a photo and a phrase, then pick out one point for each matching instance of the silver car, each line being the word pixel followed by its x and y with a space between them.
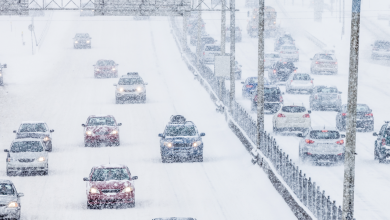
pixel 323 145
pixel 289 53
pixel 299 82
pixel 270 59
pixel 209 51
pixel 10 207
pixel 380 49
pixel 36 129
pixel 324 63
pixel 27 156
pixel 130 87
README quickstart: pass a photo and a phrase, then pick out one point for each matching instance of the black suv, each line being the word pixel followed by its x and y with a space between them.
pixel 281 71
pixel 364 118
pixel 181 141
pixel 273 99
pixel 82 40
pixel 382 143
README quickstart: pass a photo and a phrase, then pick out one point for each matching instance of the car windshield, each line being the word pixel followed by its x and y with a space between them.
pixel 271 55
pixel 208 40
pixel 130 81
pixel 105 63
pixel 287 65
pixel 288 48
pixel 26 146
pixel 95 121
pixel 212 48
pixel 327 90
pixel 382 44
pixel 252 80
pixel 326 57
pixel 271 91
pixel 82 35
pixel 180 130
pixel 106 174
pixel 362 108
pixel 324 134
pixel 6 189
pixel 33 127
pixel 301 77
pixel 286 38
pixel 294 109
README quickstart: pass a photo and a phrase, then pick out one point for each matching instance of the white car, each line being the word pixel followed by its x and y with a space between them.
pixel 270 59
pixel 131 88
pixel 36 129
pixel 322 145
pixel 10 200
pixel 324 63
pixel 291 118
pixel 299 82
pixel 289 52
pixel 27 156
pixel 380 49
pixel 209 51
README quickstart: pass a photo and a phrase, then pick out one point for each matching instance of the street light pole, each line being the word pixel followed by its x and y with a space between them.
pixel 260 82
pixel 232 53
pixel 350 146
pixel 223 27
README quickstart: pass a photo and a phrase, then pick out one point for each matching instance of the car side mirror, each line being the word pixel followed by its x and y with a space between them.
pixel 300 135
pixel 202 134
pixel 242 82
pixel 119 124
pixel 83 125
pixel 6 150
pixel 374 134
pixel 342 136
pixel 47 150
pixel 340 92
pixel 52 130
pixel 134 178
pixel 85 179
pixel 115 84
pixel 5 66
pixel 160 135
pixel 282 93
pixel 309 111
pixel 14 131
pixel 20 194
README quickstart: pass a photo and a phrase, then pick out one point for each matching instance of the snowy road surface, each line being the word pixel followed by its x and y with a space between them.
pixel 57 85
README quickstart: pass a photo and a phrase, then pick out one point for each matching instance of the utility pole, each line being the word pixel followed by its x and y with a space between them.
pixel 232 53
pixel 223 27
pixel 342 30
pixel 198 43
pixel 260 82
pixel 350 146
pixel 184 40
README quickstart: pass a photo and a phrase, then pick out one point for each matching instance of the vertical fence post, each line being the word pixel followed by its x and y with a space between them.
pixel 334 211
pixel 329 209
pixel 314 206
pixel 319 203
pixel 323 205
pixel 300 189
pixel 309 194
pixel 304 193
pixel 339 213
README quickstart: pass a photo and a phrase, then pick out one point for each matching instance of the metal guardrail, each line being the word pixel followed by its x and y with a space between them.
pixel 307 191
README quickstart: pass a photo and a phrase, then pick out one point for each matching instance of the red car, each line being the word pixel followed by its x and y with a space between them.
pixel 101 129
pixel 105 68
pixel 110 186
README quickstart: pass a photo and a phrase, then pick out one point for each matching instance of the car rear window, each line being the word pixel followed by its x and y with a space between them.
pixel 6 189
pixel 26 146
pixel 252 80
pixel 301 77
pixel 271 91
pixel 293 109
pixel 271 56
pixel 130 81
pixel 213 48
pixel 283 65
pixel 324 134
pixel 326 57
pixel 180 130
pixel 105 63
pixel 327 90
pixel 288 48
pixel 382 44
pixel 106 174
pixel 362 108
pixel 35 127
pixel 96 121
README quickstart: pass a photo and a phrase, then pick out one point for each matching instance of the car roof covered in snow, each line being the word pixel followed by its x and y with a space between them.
pixel 131 75
pixel 109 166
pixel 32 122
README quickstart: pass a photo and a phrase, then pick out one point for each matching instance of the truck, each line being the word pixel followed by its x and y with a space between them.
pixel 270 26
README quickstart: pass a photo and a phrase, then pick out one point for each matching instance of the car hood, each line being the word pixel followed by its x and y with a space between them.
pixel 101 128
pixel 28 155
pixel 130 86
pixel 6 199
pixel 41 135
pixel 111 184
pixel 182 139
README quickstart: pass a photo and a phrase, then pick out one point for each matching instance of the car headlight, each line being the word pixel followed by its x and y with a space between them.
pixel 120 89
pixel 127 189
pixel 168 144
pixel 87 41
pixel 97 69
pixel 139 89
pixel 41 159
pixel 13 205
pixel 88 133
pixel 197 143
pixel 113 68
pixel 114 132
pixel 46 139
pixel 93 190
pixel 76 42
pixel 0 74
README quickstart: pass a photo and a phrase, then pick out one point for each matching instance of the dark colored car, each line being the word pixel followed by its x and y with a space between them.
pixel 324 97
pixel 273 99
pixel 364 118
pixel 283 39
pixel 382 143
pixel 36 129
pixel 110 186
pixel 106 68
pixel 1 72
pixel 82 40
pixel 101 129
pixel 249 87
pixel 181 141
pixel 281 71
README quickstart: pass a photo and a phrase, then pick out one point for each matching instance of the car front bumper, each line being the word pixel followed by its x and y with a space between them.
pixel 364 123
pixel 324 157
pixel 129 96
pixel 33 166
pixel 9 213
pixel 111 200
pixel 111 138
pixel 182 152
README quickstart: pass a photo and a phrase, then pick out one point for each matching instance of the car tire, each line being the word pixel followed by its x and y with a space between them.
pixel 117 143
pixel 376 157
pixel 200 158
pixel 310 91
pixel 117 101
pixel 50 148
pixel 382 160
pixel 9 173
pixel 275 130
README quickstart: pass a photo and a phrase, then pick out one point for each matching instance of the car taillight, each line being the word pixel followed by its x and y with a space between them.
pixel 274 71
pixel 281 52
pixel 338 97
pixel 309 141
pixel 295 71
pixel 297 52
pixel 335 63
pixel 306 116
pixel 249 86
pixel 280 115
pixel 369 114
pixel 203 53
pixel 264 60
pixel 281 98
pixel 255 99
pixel 383 141
pixel 291 81
pixel 344 114
pixel 340 142
pixel 317 62
pixel 311 81
pixel 315 97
